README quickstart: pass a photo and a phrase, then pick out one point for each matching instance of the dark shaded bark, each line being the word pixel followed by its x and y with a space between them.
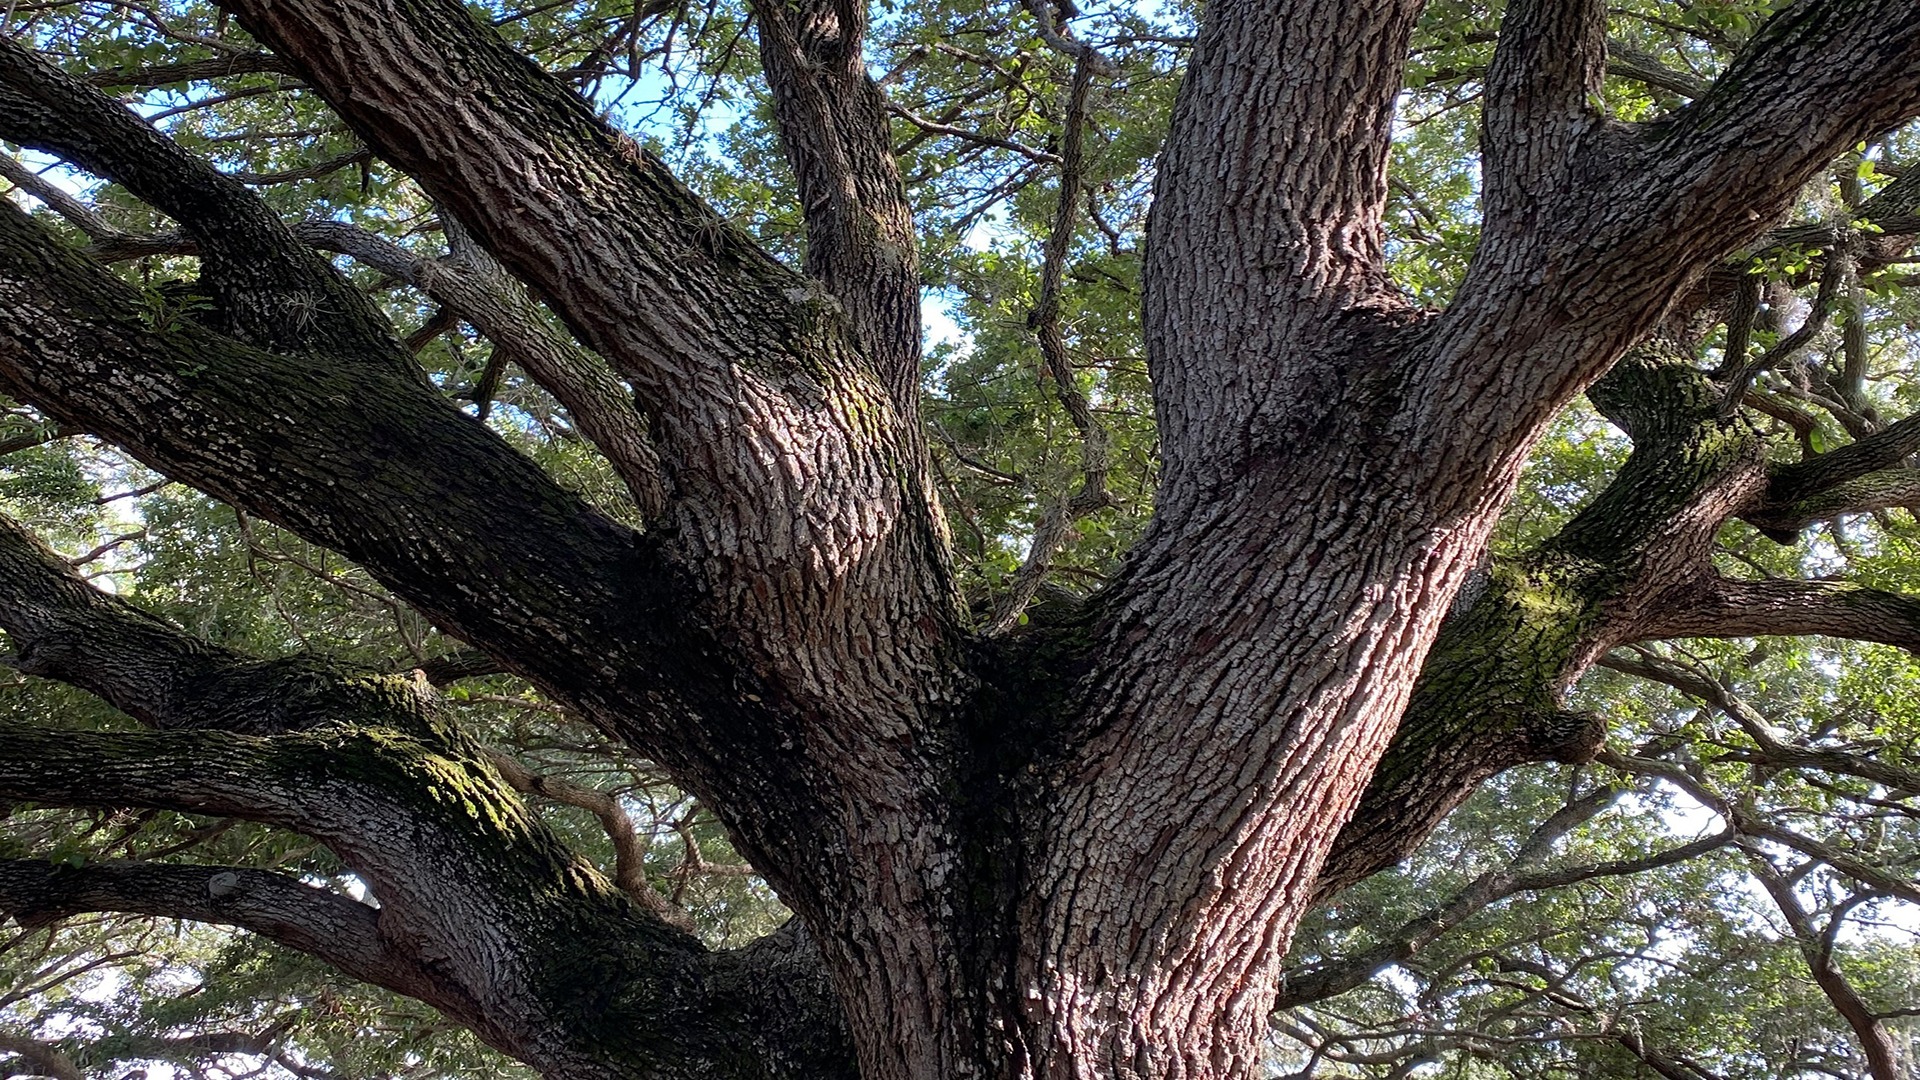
pixel 1491 694
pixel 483 913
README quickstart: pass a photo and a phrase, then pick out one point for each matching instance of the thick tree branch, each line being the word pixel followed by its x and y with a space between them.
pixel 357 457
pixel 781 644
pixel 1490 694
pixel 1824 472
pixel 1274 180
pixel 1883 490
pixel 1541 95
pixel 1566 282
pixel 483 909
pixel 47 1059
pixel 649 275
pixel 267 287
pixel 324 924
pixel 861 242
pixel 801 515
pixel 1821 75
pixel 1717 606
pixel 1671 592
pixel 63 628
pixel 1828 71
pixel 522 941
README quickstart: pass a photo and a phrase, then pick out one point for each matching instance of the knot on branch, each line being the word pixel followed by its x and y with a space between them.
pixel 1568 736
pixel 1655 391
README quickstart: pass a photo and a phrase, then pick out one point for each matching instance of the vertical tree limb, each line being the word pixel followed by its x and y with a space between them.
pixel 1044 320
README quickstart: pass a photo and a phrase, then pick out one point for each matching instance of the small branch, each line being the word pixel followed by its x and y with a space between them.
pixel 82 216
pixel 629 854
pixel 1832 275
pixel 305 172
pixel 192 71
pixel 1803 423
pixel 1092 495
pixel 1332 977
pixel 1338 976
pixel 36 438
pixel 1816 949
pixel 466 664
pixel 100 551
pixel 1627 62
pixel 478 290
pixel 1058 37
pixel 1747 823
pixel 982 138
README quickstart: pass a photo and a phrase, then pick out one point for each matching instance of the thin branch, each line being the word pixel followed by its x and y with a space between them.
pixel 479 291
pixel 1747 823
pixel 1092 495
pixel 629 853
pixel 1059 37
pixel 1832 275
pixel 1816 949
pixel 82 216
pixel 305 172
pixel 1332 977
pixel 968 135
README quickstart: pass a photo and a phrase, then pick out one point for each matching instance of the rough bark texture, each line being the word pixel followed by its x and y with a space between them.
pixel 1077 850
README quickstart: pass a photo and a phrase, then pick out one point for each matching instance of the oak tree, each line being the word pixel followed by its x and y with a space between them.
pixel 1025 831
